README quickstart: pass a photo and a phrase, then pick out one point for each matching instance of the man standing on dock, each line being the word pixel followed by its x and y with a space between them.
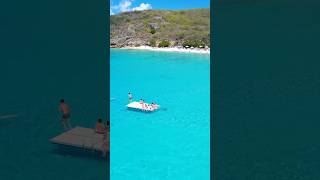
pixel 65 110
pixel 130 97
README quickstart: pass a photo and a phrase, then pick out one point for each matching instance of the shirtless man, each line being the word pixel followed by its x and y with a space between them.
pixel 108 126
pixel 65 110
pixel 106 140
pixel 100 129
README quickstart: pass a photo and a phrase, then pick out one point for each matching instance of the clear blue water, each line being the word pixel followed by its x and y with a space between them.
pixel 173 143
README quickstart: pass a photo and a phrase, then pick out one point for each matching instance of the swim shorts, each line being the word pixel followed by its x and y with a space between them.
pixel 66 116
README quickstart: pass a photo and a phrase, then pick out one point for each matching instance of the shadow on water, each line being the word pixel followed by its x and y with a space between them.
pixel 80 153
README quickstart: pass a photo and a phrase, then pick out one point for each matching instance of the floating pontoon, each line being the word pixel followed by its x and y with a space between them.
pixel 85 138
pixel 141 107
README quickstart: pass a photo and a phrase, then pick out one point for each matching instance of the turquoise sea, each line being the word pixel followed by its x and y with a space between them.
pixel 174 142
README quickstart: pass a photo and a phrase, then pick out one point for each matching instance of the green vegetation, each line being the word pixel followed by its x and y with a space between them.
pixel 194 43
pixel 153 43
pixel 152 31
pixel 164 43
pixel 179 27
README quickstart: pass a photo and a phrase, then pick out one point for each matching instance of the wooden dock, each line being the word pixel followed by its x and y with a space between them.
pixel 85 138
pixel 141 107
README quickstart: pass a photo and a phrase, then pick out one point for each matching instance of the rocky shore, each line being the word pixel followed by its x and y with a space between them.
pixel 171 49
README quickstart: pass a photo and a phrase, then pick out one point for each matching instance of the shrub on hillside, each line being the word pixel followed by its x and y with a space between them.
pixel 153 43
pixel 164 43
pixel 152 31
pixel 193 43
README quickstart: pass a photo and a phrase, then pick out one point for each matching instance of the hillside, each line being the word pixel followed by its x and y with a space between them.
pixel 150 27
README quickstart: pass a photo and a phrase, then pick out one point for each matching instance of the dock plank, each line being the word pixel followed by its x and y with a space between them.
pixel 80 137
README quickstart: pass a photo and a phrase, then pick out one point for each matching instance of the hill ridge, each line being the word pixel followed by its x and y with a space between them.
pixel 152 27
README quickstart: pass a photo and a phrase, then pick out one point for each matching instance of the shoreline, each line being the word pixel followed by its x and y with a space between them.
pixel 170 49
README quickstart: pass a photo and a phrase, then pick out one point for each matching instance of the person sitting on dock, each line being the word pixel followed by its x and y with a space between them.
pixel 106 141
pixel 150 107
pixel 65 110
pixel 100 127
pixel 145 106
pixel 108 126
pixel 142 104
pixel 155 106
pixel 105 145
pixel 130 97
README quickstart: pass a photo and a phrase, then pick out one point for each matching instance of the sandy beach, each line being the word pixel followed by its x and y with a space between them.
pixel 171 49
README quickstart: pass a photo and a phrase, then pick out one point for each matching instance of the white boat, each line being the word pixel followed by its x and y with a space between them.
pixel 145 107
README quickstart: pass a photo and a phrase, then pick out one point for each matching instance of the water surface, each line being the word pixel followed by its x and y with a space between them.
pixel 172 143
pixel 266 90
pixel 50 50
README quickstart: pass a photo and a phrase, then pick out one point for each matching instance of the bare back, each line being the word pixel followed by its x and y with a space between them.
pixel 64 108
